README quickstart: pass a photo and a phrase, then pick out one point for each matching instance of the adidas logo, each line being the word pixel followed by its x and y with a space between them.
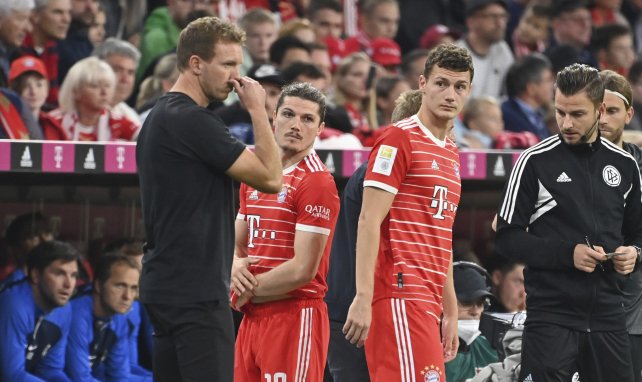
pixel 563 178
pixel 435 166
pixel 529 378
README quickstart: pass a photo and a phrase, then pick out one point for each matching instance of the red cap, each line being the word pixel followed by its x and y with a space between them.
pixel 26 64
pixel 336 50
pixel 385 52
pixel 432 35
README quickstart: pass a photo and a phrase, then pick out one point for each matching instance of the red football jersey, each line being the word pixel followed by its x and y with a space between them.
pixel 308 202
pixel 415 249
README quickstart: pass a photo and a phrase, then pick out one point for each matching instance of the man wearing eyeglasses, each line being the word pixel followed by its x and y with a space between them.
pixel 486 23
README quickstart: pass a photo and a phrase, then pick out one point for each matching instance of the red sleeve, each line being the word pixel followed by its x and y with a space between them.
pixel 123 128
pixel 51 128
pixel 317 203
pixel 242 202
pixel 389 160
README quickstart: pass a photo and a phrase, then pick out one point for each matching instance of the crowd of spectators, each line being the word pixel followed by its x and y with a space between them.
pixel 54 83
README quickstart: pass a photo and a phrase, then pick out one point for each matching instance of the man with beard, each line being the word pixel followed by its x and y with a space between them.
pixel 282 252
pixel 571 212
pixel 35 317
pixel 76 45
pixel 618 101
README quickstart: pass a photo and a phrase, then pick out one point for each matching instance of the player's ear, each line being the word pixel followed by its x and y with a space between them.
pixel 320 129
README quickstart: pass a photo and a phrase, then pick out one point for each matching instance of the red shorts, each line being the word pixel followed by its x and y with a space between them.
pixel 283 341
pixel 404 344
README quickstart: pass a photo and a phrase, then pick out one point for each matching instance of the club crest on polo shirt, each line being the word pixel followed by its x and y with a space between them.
pixel 432 373
pixel 385 160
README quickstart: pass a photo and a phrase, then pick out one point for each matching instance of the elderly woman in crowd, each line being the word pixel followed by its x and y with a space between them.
pixel 84 113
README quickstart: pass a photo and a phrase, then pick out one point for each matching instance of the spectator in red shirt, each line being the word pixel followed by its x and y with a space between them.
pixel 51 20
pixel 379 18
pixel 326 17
pixel 28 78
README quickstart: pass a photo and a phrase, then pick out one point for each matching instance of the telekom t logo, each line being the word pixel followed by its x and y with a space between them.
pixel 253 221
pixel 439 201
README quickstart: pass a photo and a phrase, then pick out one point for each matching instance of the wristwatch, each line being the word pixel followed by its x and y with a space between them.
pixel 639 252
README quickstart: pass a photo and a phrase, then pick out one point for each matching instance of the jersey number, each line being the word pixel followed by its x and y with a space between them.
pixel 277 377
pixel 440 201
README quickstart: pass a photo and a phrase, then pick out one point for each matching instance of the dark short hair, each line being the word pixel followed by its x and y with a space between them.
pixel 302 69
pixel 386 84
pixel 367 7
pixel 304 91
pixel 318 5
pixel 200 36
pixel 525 71
pixel 410 57
pixel 451 57
pixel 635 73
pixel 45 253
pixel 105 264
pixel 26 226
pixel 576 78
pixel 604 35
pixel 129 246
pixel 282 45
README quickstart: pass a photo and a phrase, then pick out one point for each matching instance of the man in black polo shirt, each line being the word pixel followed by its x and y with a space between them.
pixel 187 163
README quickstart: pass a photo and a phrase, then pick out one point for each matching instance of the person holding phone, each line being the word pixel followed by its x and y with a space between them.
pixel 569 200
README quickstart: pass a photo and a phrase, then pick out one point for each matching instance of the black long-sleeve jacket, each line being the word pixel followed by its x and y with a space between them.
pixel 557 195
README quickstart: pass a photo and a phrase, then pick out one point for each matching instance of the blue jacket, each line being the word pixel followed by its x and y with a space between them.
pixel 134 327
pixel 13 277
pixel 515 119
pixel 341 273
pixel 97 350
pixel 32 343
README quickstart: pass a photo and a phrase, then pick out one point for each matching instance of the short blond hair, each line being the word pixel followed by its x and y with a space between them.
pixel 86 71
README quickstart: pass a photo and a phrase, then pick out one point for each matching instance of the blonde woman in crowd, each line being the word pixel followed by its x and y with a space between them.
pixel 153 87
pixel 84 113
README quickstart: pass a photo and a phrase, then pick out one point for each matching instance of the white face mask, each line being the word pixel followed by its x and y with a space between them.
pixel 468 330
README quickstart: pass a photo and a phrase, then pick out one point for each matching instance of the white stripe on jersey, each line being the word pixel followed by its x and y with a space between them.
pixel 421 225
pixel 404 344
pixel 313 229
pixel 303 356
pixel 312 165
pixel 508 205
pixel 270 208
pixel 380 185
pixel 422 233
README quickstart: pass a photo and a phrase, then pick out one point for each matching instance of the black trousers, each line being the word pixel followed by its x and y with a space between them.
pixel 193 342
pixel 555 353
pixel 346 362
pixel 636 355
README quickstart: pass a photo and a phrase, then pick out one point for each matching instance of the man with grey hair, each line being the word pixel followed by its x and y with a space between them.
pixel 14 26
pixel 50 20
pixel 123 58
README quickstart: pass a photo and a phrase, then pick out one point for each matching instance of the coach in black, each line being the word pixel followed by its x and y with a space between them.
pixel 187 161
pixel 569 201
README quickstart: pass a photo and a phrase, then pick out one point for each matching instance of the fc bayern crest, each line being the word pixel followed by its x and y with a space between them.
pixel 611 176
pixel 282 195
pixel 432 373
